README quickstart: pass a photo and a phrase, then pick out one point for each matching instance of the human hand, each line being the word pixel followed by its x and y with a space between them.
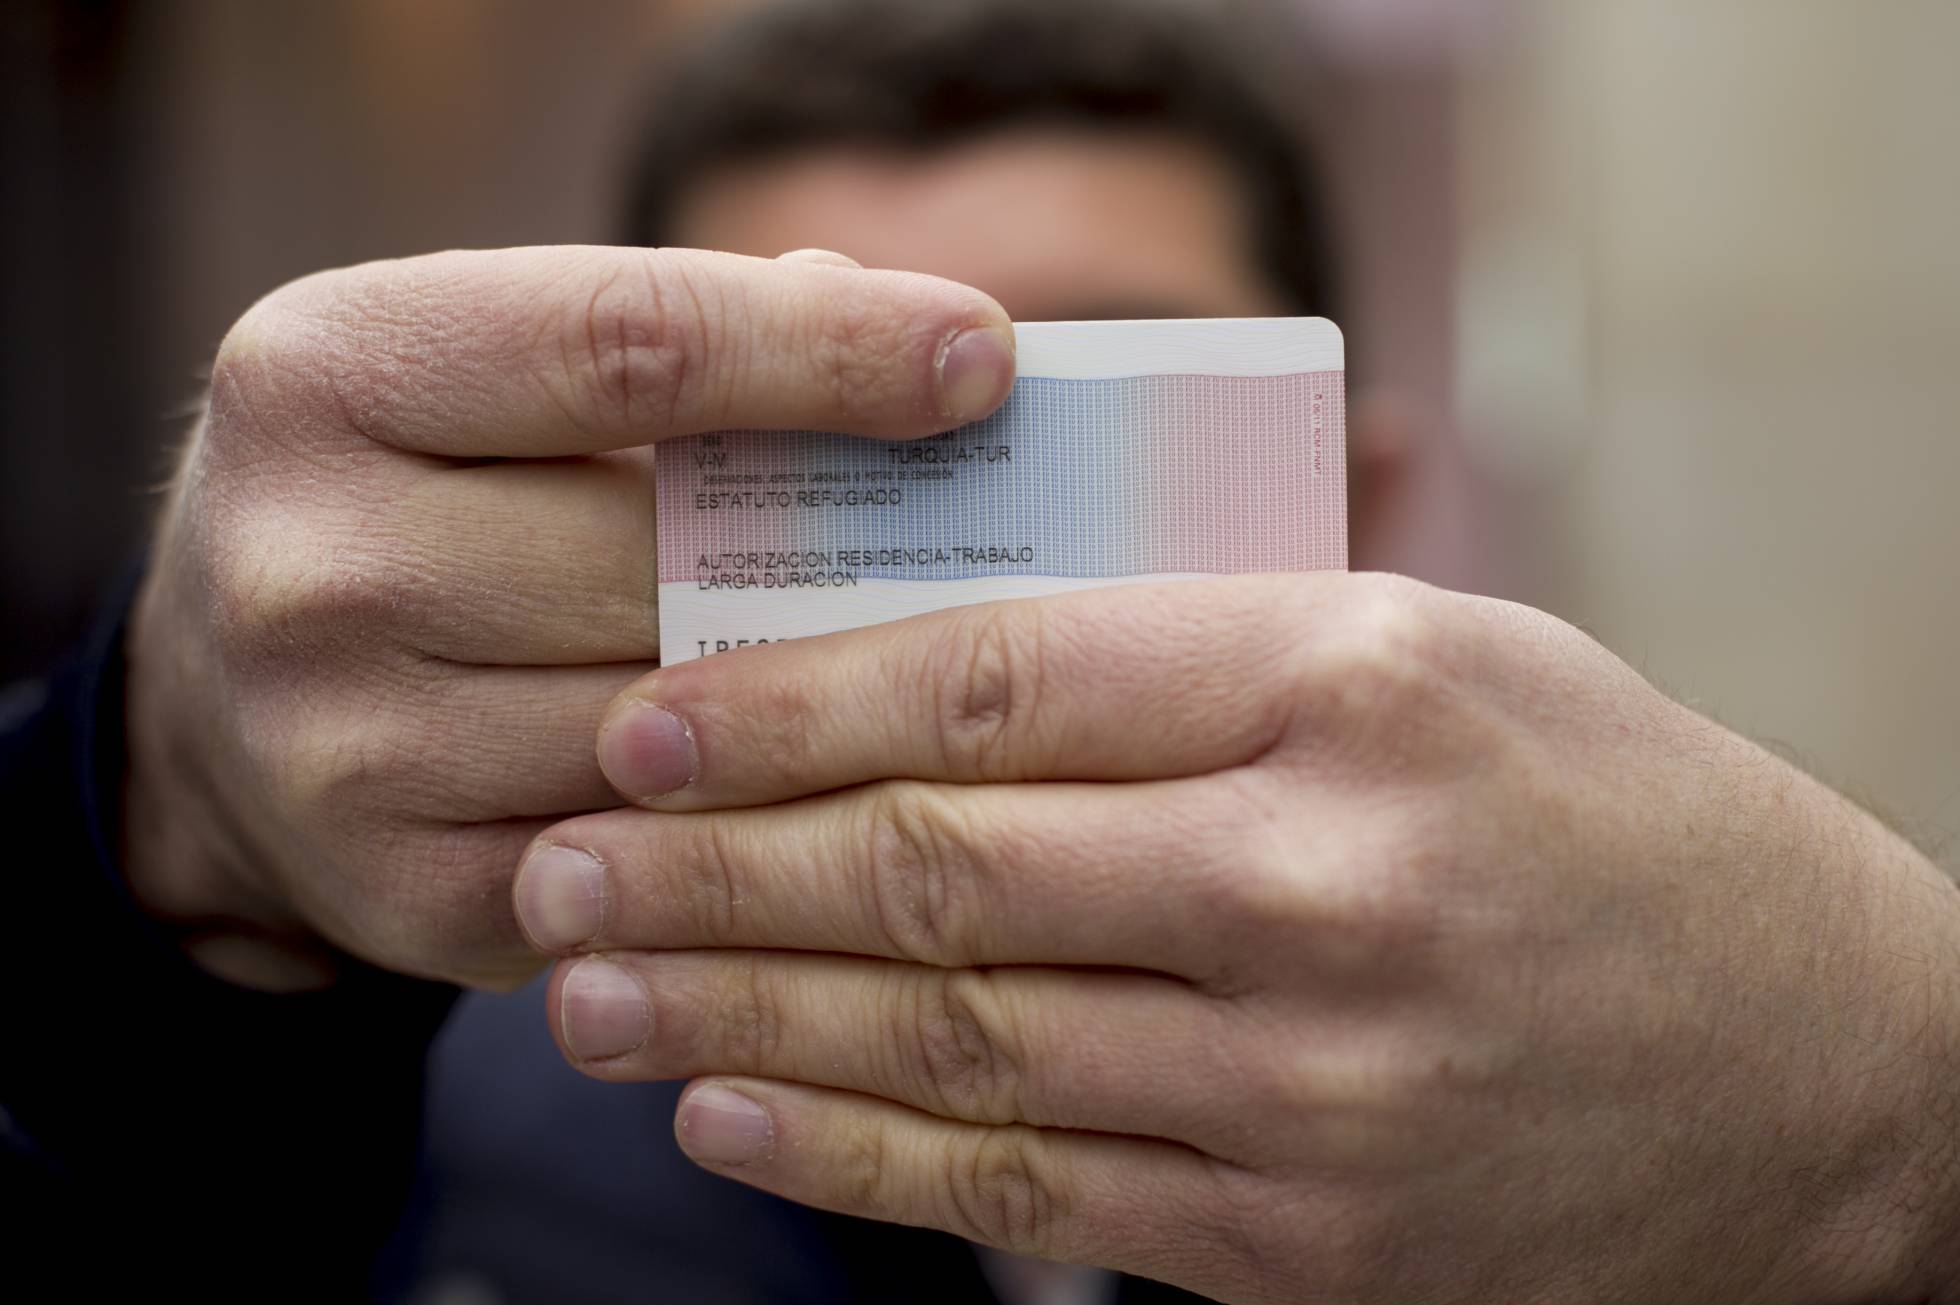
pixel 404 570
pixel 1286 937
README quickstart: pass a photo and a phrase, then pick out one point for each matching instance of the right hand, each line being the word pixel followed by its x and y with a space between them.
pixel 410 559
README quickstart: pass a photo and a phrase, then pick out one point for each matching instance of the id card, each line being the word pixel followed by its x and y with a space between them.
pixel 1126 452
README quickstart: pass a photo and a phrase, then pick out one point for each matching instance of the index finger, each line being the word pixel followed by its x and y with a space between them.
pixel 1129 683
pixel 560 350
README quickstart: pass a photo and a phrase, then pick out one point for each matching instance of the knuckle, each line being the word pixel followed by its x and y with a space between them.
pixel 1376 687
pixel 1375 912
pixel 282 590
pixel 635 357
pixel 252 375
pixel 1260 913
pixel 861 1173
pixel 1003 1194
pixel 754 1020
pixel 1342 1094
pixel 703 864
pixel 304 353
pixel 958 1054
pixel 279 581
pixel 351 764
pixel 266 343
pixel 249 351
pixel 921 869
pixel 1383 651
pixel 1365 914
pixel 983 677
pixel 1379 1101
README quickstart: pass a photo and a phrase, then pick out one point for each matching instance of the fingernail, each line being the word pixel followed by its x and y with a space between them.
pixel 824 257
pixel 720 1126
pixel 976 368
pixel 561 897
pixel 602 1011
pixel 647 751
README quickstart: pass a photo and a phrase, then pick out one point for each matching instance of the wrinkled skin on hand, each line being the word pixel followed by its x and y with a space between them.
pixel 409 559
pixel 1291 938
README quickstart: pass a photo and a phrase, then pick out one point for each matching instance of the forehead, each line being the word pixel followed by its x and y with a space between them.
pixel 1053 222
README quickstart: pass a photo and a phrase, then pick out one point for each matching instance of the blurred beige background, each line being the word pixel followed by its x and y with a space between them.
pixel 1669 287
pixel 1710 343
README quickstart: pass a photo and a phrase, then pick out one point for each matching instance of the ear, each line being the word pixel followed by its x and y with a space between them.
pixel 1381 433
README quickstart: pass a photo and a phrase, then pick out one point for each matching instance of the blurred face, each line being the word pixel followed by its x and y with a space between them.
pixel 1057 224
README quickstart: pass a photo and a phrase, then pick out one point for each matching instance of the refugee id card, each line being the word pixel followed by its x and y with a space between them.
pixel 1126 452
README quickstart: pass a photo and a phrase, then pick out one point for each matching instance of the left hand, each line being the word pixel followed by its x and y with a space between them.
pixel 1286 937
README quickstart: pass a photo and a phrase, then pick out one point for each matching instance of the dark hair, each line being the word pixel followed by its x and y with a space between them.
pixel 919 73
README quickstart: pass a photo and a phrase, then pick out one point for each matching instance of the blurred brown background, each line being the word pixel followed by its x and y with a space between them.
pixel 1668 288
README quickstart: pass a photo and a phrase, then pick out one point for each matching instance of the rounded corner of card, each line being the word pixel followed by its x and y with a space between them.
pixel 1329 338
pixel 1217 346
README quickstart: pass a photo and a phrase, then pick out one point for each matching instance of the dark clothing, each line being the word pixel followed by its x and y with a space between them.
pixel 162 1125
pixel 165 1130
